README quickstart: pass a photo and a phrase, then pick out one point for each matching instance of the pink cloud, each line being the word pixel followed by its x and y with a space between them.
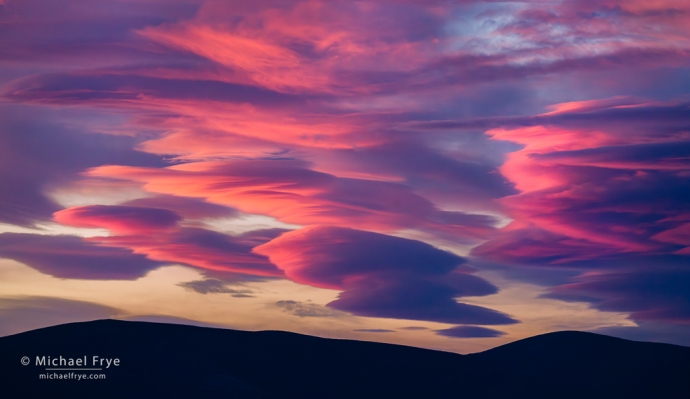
pixel 195 247
pixel 293 193
pixel 120 219
pixel 155 233
pixel 571 180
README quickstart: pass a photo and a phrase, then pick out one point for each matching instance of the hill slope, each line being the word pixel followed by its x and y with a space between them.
pixel 176 361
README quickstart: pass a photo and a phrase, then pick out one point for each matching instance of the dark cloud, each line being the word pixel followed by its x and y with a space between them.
pixel 646 294
pixel 413 328
pixel 73 257
pixel 652 156
pixel 306 309
pixel 534 246
pixel 409 296
pixel 156 233
pixel 534 273
pixel 231 278
pixel 214 286
pixel 469 332
pixel 327 256
pixel 430 171
pixel 113 88
pixel 188 208
pixel 382 276
pixel 93 34
pixel 205 249
pixel 39 153
pixel 623 116
pixel 604 194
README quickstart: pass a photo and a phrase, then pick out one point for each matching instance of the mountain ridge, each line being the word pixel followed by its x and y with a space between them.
pixel 182 361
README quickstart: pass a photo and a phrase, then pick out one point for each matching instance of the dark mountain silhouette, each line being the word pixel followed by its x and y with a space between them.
pixel 177 361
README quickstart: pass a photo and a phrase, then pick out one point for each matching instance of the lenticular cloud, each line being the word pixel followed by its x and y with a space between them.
pixel 302 139
pixel 382 276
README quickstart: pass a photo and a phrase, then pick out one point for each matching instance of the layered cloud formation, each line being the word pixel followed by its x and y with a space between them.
pixel 530 136
pixel 381 275
pixel 610 200
pixel 155 233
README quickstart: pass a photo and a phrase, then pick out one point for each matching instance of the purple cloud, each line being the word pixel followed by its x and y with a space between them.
pixel 647 295
pixel 188 208
pixel 73 257
pixel 39 153
pixel 382 276
pixel 469 332
pixel 438 120
pixel 119 219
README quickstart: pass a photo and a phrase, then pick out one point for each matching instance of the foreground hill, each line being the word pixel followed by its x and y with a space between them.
pixel 176 361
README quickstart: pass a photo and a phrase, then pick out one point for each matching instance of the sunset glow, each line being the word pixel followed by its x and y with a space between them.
pixel 460 174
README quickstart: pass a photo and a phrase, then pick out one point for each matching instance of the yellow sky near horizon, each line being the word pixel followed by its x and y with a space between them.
pixel 159 294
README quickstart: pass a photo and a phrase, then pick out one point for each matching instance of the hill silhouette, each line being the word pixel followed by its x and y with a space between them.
pixel 177 361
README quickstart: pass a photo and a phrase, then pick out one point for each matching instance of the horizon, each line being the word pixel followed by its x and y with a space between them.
pixel 451 175
pixel 191 323
pixel 151 359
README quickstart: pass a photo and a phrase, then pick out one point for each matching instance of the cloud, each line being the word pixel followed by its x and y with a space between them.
pixel 382 276
pixel 368 116
pixel 304 309
pixel 172 243
pixel 119 219
pixel 603 200
pixel 74 257
pixel 187 208
pixel 413 328
pixel 603 192
pixel 114 87
pixel 40 152
pixel 461 179
pixel 374 330
pixel 293 193
pixel 469 332
pixel 648 295
pixel 534 246
pixel 214 286
pixel 197 247
pixel 90 35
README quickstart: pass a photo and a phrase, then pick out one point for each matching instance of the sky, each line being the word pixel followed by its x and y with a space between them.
pixel 452 175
